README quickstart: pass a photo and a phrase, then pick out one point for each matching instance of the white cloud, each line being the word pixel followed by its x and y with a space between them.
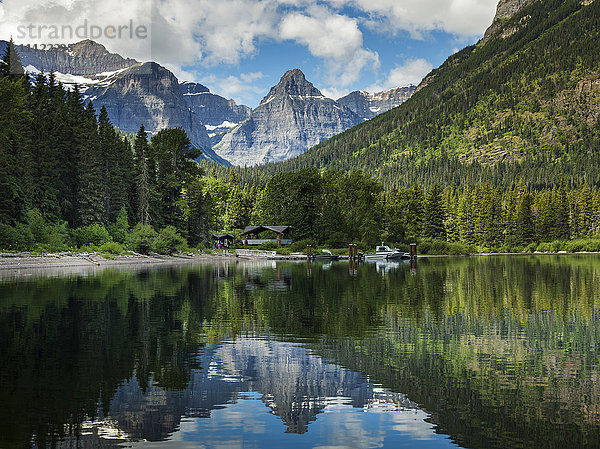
pixel 335 93
pixel 411 72
pixel 333 37
pixel 67 21
pixel 243 88
pixel 459 17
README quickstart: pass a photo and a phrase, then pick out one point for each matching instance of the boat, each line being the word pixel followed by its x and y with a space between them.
pixel 384 252
pixel 327 256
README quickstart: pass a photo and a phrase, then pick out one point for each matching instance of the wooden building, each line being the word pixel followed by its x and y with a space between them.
pixel 224 239
pixel 251 235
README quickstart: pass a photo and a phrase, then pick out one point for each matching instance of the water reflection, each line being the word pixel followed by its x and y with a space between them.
pixel 494 352
pixel 295 385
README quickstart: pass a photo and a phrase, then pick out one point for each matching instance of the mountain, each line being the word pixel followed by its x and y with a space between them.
pixel 294 116
pixel 134 93
pixel 149 94
pixel 82 58
pixel 526 98
pixel 217 114
pixel 367 105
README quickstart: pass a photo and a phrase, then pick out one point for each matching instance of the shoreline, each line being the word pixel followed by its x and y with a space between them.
pixel 14 266
pixel 13 261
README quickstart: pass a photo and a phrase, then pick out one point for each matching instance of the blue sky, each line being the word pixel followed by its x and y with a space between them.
pixel 240 48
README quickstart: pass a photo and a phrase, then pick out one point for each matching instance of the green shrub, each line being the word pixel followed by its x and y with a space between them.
pixel 557 245
pixel 142 238
pixel 94 234
pixel 38 226
pixel 300 246
pixel 574 246
pixel 269 246
pixel 544 247
pixel 336 240
pixel 120 228
pixel 440 247
pixel 284 250
pixel 530 248
pixel 17 238
pixel 169 241
pixel 111 248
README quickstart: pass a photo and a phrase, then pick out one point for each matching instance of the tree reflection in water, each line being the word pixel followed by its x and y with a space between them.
pixel 500 351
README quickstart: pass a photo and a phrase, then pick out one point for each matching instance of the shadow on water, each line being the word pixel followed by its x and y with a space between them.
pixel 492 352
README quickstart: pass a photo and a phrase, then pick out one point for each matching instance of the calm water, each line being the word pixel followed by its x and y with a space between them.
pixel 499 352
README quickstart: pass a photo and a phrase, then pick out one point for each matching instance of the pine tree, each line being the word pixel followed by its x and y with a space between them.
pixel 201 213
pixel 525 220
pixel 11 65
pixel 14 127
pixel 142 179
pixel 174 156
pixel 562 223
pixel 90 198
pixel 433 226
pixel 415 211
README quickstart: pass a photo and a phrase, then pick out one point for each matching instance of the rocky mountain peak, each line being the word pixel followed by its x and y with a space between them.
pixel 190 88
pixel 505 10
pixel 88 48
pixel 293 117
pixel 367 105
pixel 82 58
pixel 293 83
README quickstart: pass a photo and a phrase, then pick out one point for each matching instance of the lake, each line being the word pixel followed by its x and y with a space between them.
pixel 482 352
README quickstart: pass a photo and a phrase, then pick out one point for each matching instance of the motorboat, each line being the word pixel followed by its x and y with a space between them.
pixel 384 252
pixel 326 256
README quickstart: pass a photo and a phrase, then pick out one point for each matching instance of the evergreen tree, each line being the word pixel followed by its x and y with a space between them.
pixel 433 226
pixel 562 223
pixel 525 220
pixel 90 198
pixel 413 201
pixel 174 156
pixel 11 64
pixel 201 212
pixel 142 180
pixel 14 123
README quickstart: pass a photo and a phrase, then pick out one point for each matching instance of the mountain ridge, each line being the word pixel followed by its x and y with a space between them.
pixel 368 105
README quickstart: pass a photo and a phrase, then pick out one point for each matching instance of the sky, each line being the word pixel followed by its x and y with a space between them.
pixel 240 48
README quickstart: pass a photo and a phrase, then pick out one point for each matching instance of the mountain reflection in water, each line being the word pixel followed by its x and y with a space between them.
pixel 482 352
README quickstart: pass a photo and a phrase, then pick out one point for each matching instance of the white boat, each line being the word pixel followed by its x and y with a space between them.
pixel 384 252
pixel 327 255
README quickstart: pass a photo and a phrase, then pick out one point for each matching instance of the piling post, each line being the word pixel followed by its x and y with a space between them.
pixel 413 251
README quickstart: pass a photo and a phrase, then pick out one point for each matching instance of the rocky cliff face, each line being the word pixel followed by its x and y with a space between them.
pixel 293 117
pixel 83 58
pixel 505 10
pixel 367 105
pixel 148 94
pixel 218 114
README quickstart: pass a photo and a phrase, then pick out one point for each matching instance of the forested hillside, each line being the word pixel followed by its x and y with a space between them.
pixel 523 105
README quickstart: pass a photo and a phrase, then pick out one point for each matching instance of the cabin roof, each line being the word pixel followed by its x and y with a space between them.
pixel 258 229
pixel 223 236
